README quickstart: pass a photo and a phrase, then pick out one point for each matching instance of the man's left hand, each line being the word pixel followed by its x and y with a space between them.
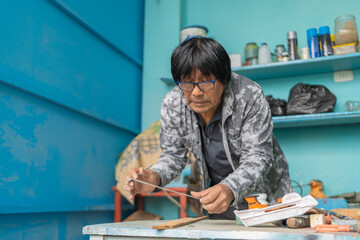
pixel 215 199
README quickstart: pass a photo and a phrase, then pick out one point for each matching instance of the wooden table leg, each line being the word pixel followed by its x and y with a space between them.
pixel 183 203
pixel 117 212
pixel 140 203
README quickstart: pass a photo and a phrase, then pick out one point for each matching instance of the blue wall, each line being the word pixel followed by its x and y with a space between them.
pixel 329 153
pixel 70 101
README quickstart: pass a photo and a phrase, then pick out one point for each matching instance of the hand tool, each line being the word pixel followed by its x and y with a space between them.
pixel 149 166
pixel 298 222
pixel 336 228
pixel 167 190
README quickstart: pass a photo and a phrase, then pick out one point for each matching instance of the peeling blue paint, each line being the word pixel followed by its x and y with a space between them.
pixel 62 121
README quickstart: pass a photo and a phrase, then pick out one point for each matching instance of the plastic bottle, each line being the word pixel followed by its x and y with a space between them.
pixel 285 57
pixel 325 41
pixel 313 42
pixel 352 106
pixel 293 45
pixel 305 53
pixel 264 54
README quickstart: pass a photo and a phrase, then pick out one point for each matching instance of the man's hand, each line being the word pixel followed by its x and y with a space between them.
pixel 215 199
pixel 143 175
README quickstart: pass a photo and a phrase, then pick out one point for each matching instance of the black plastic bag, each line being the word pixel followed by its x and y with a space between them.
pixel 306 99
pixel 277 106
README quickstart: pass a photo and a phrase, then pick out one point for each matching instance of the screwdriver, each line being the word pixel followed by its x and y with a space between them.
pixel 335 228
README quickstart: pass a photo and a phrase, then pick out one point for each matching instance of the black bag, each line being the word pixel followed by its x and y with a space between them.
pixel 306 99
pixel 277 106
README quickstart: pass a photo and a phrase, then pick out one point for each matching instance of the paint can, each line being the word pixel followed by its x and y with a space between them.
pixel 193 30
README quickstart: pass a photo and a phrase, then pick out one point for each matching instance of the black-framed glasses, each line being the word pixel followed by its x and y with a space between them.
pixel 203 86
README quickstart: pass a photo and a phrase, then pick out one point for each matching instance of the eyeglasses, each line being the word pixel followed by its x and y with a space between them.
pixel 203 86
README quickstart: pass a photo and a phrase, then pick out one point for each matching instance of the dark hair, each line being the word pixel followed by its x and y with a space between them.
pixel 204 54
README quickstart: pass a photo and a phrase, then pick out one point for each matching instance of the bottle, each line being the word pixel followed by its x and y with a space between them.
pixel 264 54
pixel 325 41
pixel 345 30
pixel 278 52
pixel 251 53
pixel 285 57
pixel 292 45
pixel 313 42
pixel 332 37
pixel 352 106
pixel 304 53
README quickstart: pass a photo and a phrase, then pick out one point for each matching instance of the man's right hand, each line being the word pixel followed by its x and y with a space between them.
pixel 143 175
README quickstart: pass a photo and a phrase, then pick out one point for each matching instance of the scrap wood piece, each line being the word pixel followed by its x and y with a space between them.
pixel 142 215
pixel 178 222
pixel 351 212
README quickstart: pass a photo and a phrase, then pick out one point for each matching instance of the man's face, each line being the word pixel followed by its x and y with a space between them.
pixel 204 102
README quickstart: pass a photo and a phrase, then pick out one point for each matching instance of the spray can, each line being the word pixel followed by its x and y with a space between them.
pixel 313 42
pixel 325 41
pixel 293 45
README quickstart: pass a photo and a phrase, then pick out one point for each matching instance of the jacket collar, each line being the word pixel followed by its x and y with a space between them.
pixel 228 102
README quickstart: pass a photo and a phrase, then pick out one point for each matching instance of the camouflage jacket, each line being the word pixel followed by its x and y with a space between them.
pixel 258 163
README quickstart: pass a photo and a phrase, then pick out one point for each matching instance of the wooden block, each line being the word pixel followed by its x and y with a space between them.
pixel 316 219
pixel 354 213
pixel 178 222
pixel 142 215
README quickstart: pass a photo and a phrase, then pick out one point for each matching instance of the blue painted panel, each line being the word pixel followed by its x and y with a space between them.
pixel 68 64
pixel 120 22
pixel 54 226
pixel 70 101
pixel 54 159
pixel 331 203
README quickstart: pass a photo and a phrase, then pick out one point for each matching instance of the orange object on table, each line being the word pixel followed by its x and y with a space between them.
pixel 118 198
pixel 254 203
pixel 332 228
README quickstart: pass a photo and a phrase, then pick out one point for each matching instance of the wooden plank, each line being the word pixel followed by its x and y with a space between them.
pixel 178 222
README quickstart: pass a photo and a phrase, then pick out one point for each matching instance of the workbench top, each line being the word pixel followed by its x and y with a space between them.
pixel 208 229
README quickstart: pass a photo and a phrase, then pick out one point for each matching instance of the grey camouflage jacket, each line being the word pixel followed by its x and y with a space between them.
pixel 258 163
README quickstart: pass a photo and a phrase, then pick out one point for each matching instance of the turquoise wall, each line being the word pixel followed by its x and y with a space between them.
pixel 329 153
pixel 70 101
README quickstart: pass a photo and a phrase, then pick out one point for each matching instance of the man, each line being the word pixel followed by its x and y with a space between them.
pixel 224 119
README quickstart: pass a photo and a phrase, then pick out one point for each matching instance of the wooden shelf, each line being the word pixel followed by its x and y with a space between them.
pixel 320 119
pixel 296 68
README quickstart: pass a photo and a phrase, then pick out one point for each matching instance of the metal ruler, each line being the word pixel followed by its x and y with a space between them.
pixel 165 189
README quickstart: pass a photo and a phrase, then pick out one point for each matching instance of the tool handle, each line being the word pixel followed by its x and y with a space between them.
pixel 332 228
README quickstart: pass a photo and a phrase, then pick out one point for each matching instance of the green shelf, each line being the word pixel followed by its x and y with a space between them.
pixel 319 119
pixel 296 68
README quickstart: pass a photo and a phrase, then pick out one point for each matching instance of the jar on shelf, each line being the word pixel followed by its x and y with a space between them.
pixel 345 30
pixel 251 53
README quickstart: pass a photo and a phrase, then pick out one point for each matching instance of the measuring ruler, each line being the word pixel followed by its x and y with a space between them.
pixel 167 190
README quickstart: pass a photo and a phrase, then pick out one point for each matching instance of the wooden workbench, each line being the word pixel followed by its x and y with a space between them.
pixel 206 229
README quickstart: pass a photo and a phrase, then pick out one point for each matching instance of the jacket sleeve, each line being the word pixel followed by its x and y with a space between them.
pixel 172 159
pixel 256 149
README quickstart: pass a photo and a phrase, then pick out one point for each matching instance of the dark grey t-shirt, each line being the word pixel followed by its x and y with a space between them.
pixel 215 157
pixel 213 149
